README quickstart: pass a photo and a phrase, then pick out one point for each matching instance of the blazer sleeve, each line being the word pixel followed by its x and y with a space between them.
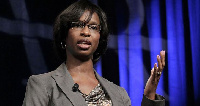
pixel 159 101
pixel 36 93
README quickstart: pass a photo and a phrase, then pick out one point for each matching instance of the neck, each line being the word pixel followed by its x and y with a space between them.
pixel 79 66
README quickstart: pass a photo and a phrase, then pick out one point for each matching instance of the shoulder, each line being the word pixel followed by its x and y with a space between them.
pixel 118 92
pixel 45 77
pixel 121 89
pixel 117 88
pixel 42 76
pixel 44 80
pixel 37 90
pixel 48 76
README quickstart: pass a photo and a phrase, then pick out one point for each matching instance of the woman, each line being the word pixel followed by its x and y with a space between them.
pixel 80 37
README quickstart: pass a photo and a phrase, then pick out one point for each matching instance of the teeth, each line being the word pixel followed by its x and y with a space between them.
pixel 82 42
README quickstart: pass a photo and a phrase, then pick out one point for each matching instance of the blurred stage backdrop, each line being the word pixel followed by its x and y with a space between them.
pixel 139 29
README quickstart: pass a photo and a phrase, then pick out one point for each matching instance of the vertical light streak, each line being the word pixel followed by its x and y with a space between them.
pixel 176 56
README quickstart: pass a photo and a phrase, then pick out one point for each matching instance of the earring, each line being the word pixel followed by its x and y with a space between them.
pixel 63 47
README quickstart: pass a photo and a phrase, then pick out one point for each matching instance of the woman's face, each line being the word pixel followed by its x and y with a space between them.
pixel 82 42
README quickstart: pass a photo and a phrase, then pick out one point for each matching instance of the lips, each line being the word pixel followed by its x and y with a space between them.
pixel 84 44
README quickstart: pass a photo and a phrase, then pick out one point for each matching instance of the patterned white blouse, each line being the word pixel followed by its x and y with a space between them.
pixel 97 97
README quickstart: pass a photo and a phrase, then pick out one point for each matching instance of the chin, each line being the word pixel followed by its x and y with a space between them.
pixel 84 55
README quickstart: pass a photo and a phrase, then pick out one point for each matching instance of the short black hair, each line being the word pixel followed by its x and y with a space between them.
pixel 73 14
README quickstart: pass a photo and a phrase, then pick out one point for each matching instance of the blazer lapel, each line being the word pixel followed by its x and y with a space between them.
pixel 111 90
pixel 65 82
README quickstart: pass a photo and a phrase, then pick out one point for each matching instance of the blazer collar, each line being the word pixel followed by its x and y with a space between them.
pixel 112 90
pixel 65 82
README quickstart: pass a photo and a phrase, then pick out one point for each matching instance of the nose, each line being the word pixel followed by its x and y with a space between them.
pixel 85 32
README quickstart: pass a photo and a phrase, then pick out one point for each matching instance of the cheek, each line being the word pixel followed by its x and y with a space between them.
pixel 97 38
pixel 70 38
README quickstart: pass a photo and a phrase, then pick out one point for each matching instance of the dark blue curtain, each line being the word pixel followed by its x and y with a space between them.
pixel 139 30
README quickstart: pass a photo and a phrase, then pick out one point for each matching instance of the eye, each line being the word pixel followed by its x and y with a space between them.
pixel 93 27
pixel 77 25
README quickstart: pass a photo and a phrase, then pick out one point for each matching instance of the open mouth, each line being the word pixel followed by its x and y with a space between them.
pixel 84 44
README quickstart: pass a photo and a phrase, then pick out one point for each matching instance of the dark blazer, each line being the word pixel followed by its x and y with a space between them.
pixel 55 89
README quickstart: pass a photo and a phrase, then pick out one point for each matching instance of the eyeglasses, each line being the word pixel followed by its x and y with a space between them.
pixel 94 28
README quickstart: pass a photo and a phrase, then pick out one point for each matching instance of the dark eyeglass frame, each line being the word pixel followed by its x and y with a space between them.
pixel 82 25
